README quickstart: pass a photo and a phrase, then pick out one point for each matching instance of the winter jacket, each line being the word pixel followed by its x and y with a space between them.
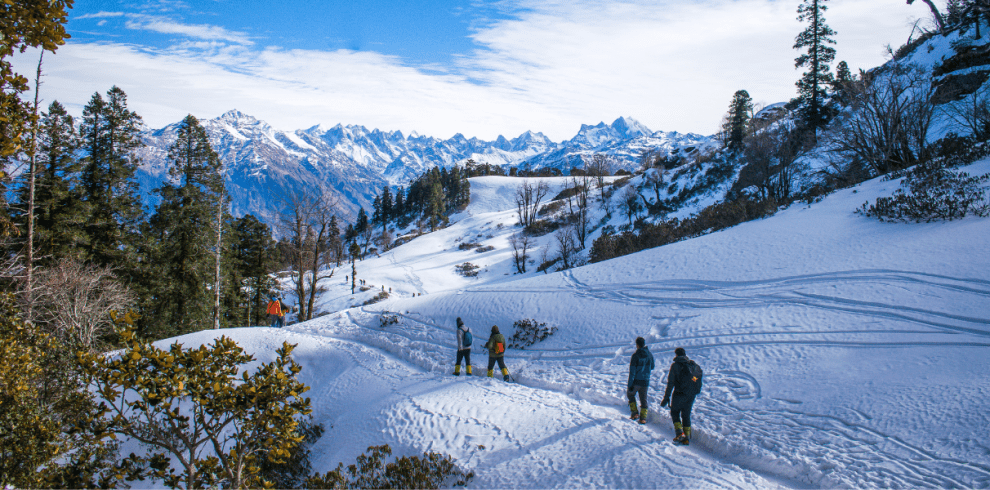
pixel 274 307
pixel 490 345
pixel 460 337
pixel 676 371
pixel 640 367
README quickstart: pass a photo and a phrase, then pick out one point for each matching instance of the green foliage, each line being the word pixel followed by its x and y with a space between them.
pixel 816 39
pixel 432 470
pixel 48 435
pixel 932 193
pixel 737 120
pixel 24 24
pixel 295 468
pixel 192 407
pixel 529 332
pixel 184 229
pixel 716 217
pixel 110 135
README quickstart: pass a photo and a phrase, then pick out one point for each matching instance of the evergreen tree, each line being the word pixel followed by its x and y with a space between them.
pixel 737 121
pixel 399 207
pixel 110 135
pixel 816 39
pixel 362 222
pixel 185 229
pixel 386 206
pixel 253 257
pixel 60 213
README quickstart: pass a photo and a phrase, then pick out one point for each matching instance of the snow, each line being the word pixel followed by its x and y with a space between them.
pixel 839 351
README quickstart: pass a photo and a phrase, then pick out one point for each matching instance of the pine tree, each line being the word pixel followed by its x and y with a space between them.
pixel 253 258
pixel 816 39
pixel 737 121
pixel 386 206
pixel 110 135
pixel 185 229
pixel 60 213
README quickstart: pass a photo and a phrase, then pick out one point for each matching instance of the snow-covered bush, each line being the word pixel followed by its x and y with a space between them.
pixel 381 296
pixel 932 193
pixel 433 470
pixel 387 318
pixel 529 332
pixel 467 269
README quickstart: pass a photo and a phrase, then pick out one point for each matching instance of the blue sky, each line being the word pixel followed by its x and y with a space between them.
pixel 443 67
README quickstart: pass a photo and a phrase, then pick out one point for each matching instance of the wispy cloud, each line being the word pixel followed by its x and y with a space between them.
pixel 165 25
pixel 542 65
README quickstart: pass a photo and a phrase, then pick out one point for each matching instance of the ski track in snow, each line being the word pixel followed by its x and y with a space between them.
pixel 832 450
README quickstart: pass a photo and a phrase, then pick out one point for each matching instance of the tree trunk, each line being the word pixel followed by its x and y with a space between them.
pixel 938 17
pixel 32 170
pixel 216 277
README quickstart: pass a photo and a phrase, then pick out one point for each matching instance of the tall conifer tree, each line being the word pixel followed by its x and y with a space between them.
pixel 740 112
pixel 184 226
pixel 816 40
pixel 110 135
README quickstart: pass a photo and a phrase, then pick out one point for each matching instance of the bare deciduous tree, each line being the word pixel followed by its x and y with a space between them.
pixel 520 247
pixel 892 114
pixel 599 167
pixel 74 300
pixel 972 113
pixel 566 248
pixel 528 198
pixel 630 203
pixel 306 224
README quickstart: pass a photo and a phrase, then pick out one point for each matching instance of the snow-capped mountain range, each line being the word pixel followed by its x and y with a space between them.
pixel 354 163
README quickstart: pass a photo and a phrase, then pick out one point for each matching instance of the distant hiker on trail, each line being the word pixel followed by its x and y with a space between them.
pixel 640 366
pixel 274 311
pixel 496 352
pixel 684 380
pixel 464 340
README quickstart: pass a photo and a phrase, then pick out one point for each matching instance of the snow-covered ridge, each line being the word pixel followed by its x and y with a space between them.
pixel 839 352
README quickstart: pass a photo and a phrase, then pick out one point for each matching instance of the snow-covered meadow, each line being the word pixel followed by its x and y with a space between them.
pixel 839 352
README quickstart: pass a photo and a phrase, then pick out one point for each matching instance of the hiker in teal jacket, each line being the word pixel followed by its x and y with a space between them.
pixel 463 348
pixel 496 352
pixel 640 367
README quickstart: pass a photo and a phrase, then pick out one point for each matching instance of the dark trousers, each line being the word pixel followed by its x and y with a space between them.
pixel 274 320
pixel 680 409
pixel 631 394
pixel 492 360
pixel 463 354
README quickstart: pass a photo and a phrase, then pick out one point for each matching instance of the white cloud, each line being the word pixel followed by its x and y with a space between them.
pixel 163 25
pixel 673 65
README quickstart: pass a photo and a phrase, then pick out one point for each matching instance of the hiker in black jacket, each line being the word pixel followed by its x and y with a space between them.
pixel 680 402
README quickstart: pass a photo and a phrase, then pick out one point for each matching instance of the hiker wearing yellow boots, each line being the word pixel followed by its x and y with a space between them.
pixel 684 383
pixel 640 368
pixel 464 340
pixel 496 353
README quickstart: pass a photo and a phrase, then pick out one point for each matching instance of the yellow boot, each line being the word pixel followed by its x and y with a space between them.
pixel 457 370
pixel 490 372
pixel 633 411
pixel 642 416
pixel 469 370
pixel 679 432
pixel 687 435
pixel 505 375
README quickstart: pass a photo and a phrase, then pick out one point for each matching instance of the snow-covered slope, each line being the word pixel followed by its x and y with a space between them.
pixel 839 352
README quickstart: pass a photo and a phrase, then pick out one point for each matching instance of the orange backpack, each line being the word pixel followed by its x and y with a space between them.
pixel 274 308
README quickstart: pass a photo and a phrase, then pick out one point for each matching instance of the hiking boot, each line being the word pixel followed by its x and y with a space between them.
pixel 681 439
pixel 634 416
pixel 642 416
pixel 642 421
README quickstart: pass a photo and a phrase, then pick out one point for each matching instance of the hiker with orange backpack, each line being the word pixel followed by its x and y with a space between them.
pixel 496 353
pixel 274 311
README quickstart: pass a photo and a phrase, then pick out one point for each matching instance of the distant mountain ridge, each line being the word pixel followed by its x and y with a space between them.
pixel 352 162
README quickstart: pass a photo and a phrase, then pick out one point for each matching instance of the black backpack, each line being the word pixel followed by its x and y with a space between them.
pixel 689 382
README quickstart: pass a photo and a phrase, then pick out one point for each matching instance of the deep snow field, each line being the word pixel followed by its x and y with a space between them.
pixel 839 351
